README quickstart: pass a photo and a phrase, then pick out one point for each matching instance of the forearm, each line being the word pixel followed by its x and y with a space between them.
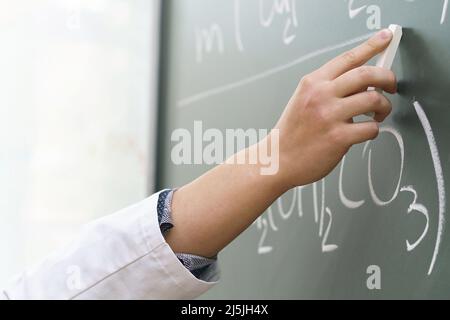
pixel 213 210
pixel 315 132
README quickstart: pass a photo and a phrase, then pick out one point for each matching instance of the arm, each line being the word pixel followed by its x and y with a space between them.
pixel 120 256
pixel 315 132
pixel 125 256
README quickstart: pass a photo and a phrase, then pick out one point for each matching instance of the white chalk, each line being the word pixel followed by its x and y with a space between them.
pixel 386 58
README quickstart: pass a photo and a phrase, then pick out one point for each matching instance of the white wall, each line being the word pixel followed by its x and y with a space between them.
pixel 77 117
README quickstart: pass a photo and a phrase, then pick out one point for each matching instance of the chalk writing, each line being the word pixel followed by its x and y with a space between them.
pixel 211 39
pixel 401 145
pixel 207 39
pixel 421 209
pixel 285 8
pixel 319 200
pixel 439 179
pixel 444 12
pixel 373 12
pixel 215 39
pixel 237 25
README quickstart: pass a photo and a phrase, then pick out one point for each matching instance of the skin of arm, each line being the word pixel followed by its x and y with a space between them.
pixel 315 131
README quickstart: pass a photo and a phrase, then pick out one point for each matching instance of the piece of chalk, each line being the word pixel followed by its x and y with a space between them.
pixel 386 58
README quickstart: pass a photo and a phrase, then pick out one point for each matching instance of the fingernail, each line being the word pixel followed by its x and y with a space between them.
pixel 385 34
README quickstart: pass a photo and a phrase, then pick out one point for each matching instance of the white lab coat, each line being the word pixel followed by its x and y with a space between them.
pixel 122 256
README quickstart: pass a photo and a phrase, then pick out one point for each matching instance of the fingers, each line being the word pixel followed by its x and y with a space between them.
pixel 359 79
pixel 357 56
pixel 363 103
pixel 361 132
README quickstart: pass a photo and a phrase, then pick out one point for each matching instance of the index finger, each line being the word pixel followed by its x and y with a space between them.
pixel 358 56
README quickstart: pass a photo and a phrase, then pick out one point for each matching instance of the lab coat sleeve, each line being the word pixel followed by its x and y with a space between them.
pixel 122 256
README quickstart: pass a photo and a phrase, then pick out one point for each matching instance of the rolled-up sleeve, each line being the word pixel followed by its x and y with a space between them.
pixel 121 256
pixel 201 267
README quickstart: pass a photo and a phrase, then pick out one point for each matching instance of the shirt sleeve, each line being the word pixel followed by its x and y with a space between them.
pixel 200 267
pixel 121 256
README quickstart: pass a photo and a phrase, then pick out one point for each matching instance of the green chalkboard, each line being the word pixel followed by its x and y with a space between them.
pixel 381 215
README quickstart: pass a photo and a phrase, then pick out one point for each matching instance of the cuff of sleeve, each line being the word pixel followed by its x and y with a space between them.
pixel 121 256
pixel 200 267
pixel 190 287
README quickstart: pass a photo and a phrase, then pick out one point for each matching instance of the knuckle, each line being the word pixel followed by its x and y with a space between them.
pixel 375 98
pixel 364 73
pixel 307 82
pixel 392 78
pixel 388 106
pixel 373 130
pixel 312 91
pixel 385 109
pixel 337 137
pixel 350 58
pixel 372 44
pixel 392 75
pixel 385 101
pixel 320 115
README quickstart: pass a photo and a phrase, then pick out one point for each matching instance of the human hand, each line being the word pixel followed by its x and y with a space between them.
pixel 317 129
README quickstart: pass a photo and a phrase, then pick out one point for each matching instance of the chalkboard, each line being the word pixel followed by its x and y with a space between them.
pixel 376 227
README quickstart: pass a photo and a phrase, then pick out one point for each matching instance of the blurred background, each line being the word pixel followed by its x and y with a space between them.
pixel 77 118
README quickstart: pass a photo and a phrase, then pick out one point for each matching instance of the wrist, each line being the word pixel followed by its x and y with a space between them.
pixel 270 166
pixel 289 175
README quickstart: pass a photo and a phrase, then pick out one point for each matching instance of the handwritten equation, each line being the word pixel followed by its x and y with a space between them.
pixel 323 215
pixel 214 39
pixel 210 39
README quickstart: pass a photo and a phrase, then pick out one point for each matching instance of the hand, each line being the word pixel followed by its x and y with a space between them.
pixel 317 128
